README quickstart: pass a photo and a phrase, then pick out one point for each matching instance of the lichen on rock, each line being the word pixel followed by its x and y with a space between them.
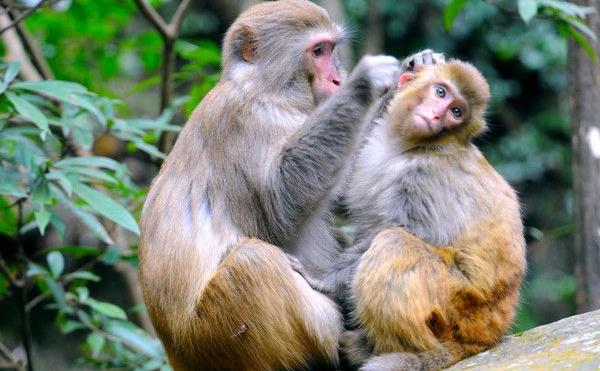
pixel 569 344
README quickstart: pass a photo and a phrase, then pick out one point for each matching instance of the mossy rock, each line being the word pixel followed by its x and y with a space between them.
pixel 569 344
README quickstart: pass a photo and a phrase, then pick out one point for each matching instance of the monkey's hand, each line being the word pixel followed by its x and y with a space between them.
pixel 299 268
pixel 381 72
pixel 425 57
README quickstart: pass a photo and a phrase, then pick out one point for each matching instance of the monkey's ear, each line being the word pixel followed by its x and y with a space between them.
pixel 404 78
pixel 246 44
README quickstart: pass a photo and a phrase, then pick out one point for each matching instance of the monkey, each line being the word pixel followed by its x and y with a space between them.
pixel 244 197
pixel 435 270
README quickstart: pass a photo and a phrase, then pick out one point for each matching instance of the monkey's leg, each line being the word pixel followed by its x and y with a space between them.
pixel 400 288
pixel 257 314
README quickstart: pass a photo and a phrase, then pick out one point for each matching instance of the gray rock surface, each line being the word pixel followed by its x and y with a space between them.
pixel 569 344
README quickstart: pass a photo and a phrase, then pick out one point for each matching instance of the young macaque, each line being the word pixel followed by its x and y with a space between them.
pixel 439 256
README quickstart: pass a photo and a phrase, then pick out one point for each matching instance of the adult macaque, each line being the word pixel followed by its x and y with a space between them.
pixel 248 185
pixel 436 269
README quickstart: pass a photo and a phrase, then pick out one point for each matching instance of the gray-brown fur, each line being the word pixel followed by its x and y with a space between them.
pixel 444 239
pixel 250 180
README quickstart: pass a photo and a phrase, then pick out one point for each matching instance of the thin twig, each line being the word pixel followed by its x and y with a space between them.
pixel 152 15
pixel 35 53
pixel 6 352
pixel 169 32
pixel 6 273
pixel 63 281
pixel 26 330
pixel 177 19
pixel 22 16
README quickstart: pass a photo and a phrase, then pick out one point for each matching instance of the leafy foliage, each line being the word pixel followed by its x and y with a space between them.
pixel 46 131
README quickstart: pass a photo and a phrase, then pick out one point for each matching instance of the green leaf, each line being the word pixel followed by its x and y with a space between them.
pixel 91 222
pixel 451 11
pixel 527 9
pixel 111 255
pixel 108 309
pixel 149 149
pixel 12 187
pixel 106 207
pixel 61 178
pixel 40 194
pixel 69 326
pixel 76 251
pixel 8 219
pixel 52 87
pixel 59 224
pixel 30 112
pixel 96 342
pixel 42 218
pixel 34 269
pixel 57 292
pixel 135 337
pixel 568 8
pixel 91 173
pixel 580 25
pixel 83 293
pixel 83 275
pixel 68 92
pixel 11 72
pixel 56 262
pixel 581 40
pixel 95 161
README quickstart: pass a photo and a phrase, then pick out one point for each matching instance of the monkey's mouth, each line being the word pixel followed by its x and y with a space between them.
pixel 424 123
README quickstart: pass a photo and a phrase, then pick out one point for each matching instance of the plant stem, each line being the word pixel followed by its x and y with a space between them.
pixel 26 326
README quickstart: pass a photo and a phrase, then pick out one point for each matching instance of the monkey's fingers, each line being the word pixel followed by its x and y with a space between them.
pixel 299 268
pixel 422 58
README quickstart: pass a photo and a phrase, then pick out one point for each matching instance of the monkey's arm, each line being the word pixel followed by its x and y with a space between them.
pixel 310 163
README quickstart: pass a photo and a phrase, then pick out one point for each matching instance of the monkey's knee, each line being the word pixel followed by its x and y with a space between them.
pixel 256 314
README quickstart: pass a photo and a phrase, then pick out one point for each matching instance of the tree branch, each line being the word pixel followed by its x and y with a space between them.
pixel 26 330
pixel 35 53
pixel 22 16
pixel 6 273
pixel 152 15
pixel 169 32
pixel 15 51
pixel 177 19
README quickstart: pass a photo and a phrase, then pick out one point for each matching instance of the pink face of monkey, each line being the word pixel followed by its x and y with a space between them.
pixel 440 106
pixel 322 64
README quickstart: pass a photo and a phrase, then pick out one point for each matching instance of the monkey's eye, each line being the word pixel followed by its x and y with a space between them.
pixel 456 112
pixel 440 91
pixel 318 50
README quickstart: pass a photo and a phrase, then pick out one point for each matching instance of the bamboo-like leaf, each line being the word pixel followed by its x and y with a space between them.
pixel 56 262
pixel 96 342
pixel 108 309
pixel 30 112
pixel 106 207
pixel 451 11
pixel 42 218
pixel 527 9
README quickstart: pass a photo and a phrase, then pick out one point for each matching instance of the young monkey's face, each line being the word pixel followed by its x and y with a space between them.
pixel 434 104
pixel 437 104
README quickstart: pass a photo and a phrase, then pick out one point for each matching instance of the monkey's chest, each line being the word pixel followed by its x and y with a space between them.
pixel 436 209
